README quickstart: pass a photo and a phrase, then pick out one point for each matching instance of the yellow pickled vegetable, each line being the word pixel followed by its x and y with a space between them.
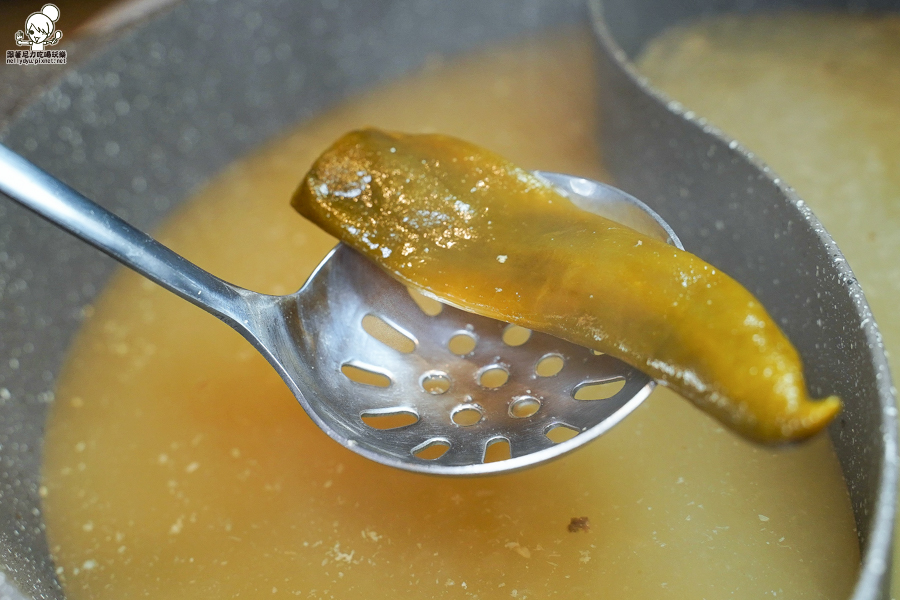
pixel 482 234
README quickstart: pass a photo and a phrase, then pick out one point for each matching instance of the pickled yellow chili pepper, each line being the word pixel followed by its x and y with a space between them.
pixel 468 227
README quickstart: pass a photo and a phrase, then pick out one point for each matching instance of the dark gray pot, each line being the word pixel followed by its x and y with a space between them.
pixel 156 110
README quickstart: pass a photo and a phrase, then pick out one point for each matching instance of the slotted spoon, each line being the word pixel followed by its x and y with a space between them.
pixel 430 406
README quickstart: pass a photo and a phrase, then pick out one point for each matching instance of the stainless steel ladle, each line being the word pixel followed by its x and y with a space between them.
pixel 456 402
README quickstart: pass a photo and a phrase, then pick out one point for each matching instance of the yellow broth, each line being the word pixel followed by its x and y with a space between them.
pixel 177 464
pixel 818 98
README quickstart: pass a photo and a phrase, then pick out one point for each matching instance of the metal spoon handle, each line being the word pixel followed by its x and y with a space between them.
pixel 53 200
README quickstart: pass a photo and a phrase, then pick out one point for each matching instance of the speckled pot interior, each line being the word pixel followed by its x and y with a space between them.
pixel 164 106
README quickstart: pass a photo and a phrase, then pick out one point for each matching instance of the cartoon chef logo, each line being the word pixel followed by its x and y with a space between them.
pixel 40 29
pixel 40 33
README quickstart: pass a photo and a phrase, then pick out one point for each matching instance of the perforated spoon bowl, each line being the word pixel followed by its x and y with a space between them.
pixel 425 388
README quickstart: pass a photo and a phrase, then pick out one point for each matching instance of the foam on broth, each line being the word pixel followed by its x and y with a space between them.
pixel 177 464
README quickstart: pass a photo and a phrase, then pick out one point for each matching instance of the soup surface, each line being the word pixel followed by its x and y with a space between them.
pixel 177 464
pixel 817 97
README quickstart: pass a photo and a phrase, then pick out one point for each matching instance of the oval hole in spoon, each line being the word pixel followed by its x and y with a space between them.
pixel 560 433
pixel 462 343
pixel 598 390
pixel 431 449
pixel 513 335
pixel 435 382
pixel 429 306
pixel 365 375
pixel 493 377
pixel 466 415
pixel 388 334
pixel 523 407
pixel 549 365
pixel 389 418
pixel 496 450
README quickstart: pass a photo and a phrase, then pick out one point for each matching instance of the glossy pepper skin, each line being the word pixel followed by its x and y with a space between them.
pixel 470 228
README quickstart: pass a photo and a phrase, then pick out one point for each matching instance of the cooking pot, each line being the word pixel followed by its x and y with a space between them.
pixel 163 106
